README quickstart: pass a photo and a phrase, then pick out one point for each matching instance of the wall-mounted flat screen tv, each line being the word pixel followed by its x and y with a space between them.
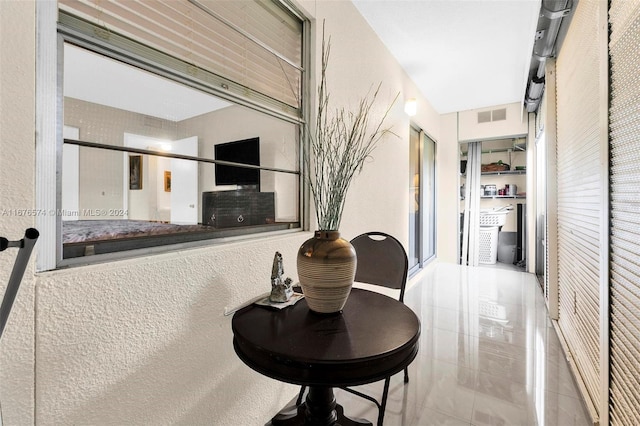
pixel 245 151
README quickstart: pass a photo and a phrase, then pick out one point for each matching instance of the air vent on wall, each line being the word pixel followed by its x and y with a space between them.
pixel 484 117
pixel 493 115
pixel 152 122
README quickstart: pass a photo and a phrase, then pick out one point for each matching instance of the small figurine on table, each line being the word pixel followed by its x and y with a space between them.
pixel 281 290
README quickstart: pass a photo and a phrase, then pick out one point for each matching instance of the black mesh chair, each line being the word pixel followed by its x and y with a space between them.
pixel 382 261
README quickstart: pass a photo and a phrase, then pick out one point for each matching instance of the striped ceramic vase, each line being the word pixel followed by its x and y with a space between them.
pixel 326 268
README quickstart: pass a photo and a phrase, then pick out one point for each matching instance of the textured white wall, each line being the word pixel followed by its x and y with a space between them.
pixel 17 148
pixel 144 341
pixel 448 191
pixel 379 196
pixel 516 124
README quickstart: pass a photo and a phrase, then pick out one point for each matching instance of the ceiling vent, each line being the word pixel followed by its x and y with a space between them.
pixel 493 115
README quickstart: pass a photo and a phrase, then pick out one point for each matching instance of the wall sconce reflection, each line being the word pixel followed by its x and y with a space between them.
pixel 411 107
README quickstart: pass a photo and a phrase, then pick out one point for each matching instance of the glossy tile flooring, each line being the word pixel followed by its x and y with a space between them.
pixel 488 355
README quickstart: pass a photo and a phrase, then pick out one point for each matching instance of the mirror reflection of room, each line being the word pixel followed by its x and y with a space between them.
pixel 131 192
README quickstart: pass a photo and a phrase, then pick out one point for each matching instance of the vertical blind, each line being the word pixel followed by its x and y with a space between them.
pixel 471 217
pixel 624 127
pixel 428 197
pixel 579 192
pixel 256 44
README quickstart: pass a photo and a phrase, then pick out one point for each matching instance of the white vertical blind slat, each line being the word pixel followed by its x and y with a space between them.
pixel 580 189
pixel 471 218
pixel 624 48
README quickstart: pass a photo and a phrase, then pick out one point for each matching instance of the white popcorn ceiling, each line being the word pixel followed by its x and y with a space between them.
pixel 462 54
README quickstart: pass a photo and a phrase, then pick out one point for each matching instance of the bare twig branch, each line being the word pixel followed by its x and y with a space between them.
pixel 341 144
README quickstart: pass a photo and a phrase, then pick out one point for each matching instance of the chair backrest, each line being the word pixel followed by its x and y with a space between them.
pixel 382 261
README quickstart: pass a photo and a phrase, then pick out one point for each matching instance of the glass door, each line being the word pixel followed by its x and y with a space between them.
pixel 414 199
pixel 422 199
pixel 428 198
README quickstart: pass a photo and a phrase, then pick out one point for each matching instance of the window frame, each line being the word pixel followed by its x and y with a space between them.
pixel 426 220
pixel 49 115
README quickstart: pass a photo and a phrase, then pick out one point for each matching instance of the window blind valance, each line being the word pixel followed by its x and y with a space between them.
pixel 255 44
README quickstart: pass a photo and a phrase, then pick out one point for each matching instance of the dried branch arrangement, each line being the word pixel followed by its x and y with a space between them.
pixel 343 140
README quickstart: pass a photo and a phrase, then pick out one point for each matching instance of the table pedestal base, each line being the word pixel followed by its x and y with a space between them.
pixel 319 409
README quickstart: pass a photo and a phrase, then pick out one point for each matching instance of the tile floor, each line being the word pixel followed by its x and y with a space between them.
pixel 488 355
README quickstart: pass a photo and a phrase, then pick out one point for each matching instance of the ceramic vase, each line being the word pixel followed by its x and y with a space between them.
pixel 326 269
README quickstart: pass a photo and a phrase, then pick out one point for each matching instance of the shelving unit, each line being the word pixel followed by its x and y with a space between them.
pixel 502 196
pixel 513 153
pixel 506 172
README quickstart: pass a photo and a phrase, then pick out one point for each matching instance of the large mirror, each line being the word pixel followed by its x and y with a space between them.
pixel 126 197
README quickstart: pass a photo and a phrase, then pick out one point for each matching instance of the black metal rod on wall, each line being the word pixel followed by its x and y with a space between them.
pixel 177 156
pixel 22 259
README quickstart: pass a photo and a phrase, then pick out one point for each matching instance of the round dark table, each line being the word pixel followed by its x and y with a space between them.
pixel 374 337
